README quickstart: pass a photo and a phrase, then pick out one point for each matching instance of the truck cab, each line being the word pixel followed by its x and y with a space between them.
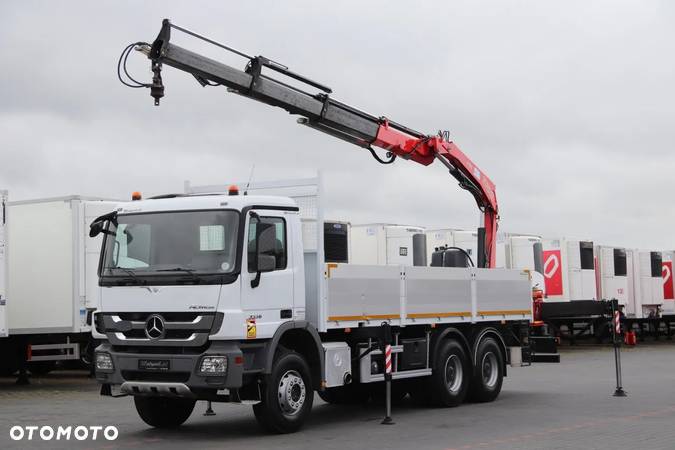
pixel 198 265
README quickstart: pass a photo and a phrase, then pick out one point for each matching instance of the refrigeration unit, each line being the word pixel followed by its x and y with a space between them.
pixel 467 240
pixel 569 269
pixel 668 308
pixel 387 244
pixel 612 273
pixel 336 241
pixel 645 294
pixel 523 252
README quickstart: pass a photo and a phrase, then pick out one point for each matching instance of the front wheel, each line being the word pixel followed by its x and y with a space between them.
pixel 287 395
pixel 488 374
pixel 163 412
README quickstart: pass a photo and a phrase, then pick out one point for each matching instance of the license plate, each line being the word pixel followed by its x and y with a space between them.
pixel 159 365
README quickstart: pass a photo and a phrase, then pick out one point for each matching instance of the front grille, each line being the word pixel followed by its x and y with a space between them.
pixel 165 377
pixel 170 334
pixel 168 316
pixel 177 328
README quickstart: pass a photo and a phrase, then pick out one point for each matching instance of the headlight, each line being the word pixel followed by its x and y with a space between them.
pixel 104 362
pixel 213 365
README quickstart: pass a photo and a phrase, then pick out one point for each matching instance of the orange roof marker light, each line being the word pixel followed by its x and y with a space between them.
pixel 136 196
pixel 233 190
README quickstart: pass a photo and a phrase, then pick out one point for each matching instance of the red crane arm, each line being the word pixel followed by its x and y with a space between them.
pixel 425 150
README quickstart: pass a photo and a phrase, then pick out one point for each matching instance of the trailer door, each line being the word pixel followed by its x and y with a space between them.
pixel 3 264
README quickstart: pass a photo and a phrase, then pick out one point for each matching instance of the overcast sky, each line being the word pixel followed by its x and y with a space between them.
pixel 568 106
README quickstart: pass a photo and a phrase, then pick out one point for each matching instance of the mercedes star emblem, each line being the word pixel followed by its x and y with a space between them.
pixel 154 327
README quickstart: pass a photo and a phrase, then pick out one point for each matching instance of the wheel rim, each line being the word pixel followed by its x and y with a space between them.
pixel 291 392
pixel 454 374
pixel 490 370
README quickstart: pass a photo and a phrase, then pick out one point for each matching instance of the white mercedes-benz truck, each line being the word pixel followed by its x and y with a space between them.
pixel 227 298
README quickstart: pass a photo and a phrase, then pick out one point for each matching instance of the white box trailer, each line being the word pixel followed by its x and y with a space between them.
pixel 612 273
pixel 667 273
pixel 522 252
pixel 3 264
pixel 467 240
pixel 388 244
pixel 645 294
pixel 52 277
pixel 569 269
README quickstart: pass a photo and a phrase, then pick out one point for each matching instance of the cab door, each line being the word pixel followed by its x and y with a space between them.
pixel 267 298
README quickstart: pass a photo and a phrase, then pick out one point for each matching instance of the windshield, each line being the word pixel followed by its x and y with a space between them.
pixel 158 243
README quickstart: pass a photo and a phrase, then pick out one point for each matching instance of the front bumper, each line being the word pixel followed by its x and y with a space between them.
pixel 182 377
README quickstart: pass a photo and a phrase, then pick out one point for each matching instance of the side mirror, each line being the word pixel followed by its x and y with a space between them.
pixel 265 246
pixel 96 228
pixel 266 263
pixel 266 242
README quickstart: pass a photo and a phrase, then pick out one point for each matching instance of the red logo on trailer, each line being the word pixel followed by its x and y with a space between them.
pixel 553 272
pixel 668 280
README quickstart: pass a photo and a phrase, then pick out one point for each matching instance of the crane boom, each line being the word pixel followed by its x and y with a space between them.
pixel 323 113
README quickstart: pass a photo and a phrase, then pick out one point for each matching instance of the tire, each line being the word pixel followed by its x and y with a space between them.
pixel 287 395
pixel 488 375
pixel 163 412
pixel 351 394
pixel 449 381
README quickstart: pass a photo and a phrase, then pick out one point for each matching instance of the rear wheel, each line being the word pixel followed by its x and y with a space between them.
pixel 287 395
pixel 449 381
pixel 488 375
pixel 163 412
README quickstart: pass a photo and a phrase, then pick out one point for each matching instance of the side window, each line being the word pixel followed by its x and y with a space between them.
pixel 280 251
pixel 132 246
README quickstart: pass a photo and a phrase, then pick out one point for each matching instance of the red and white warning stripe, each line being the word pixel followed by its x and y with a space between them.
pixel 617 322
pixel 387 359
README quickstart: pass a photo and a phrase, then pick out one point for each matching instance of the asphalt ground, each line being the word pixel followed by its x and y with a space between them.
pixel 545 406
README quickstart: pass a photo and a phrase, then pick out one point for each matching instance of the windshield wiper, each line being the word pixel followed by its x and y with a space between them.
pixel 131 273
pixel 194 276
